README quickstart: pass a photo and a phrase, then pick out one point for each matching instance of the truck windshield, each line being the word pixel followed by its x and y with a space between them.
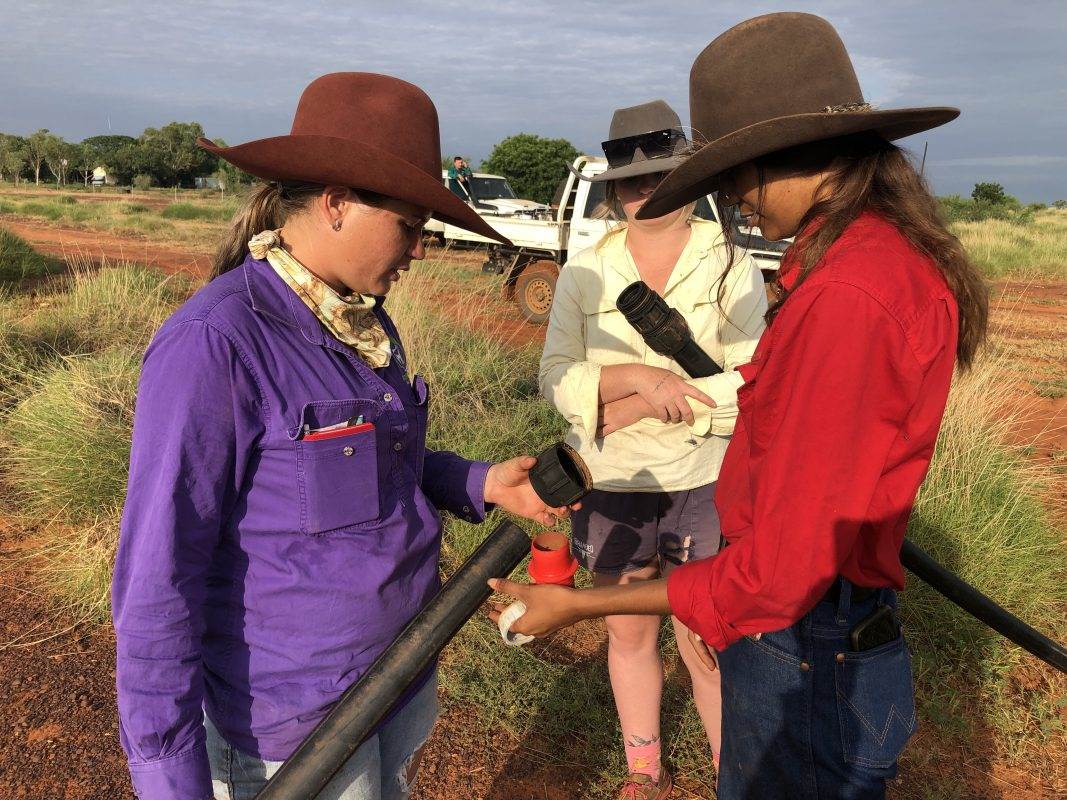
pixel 491 189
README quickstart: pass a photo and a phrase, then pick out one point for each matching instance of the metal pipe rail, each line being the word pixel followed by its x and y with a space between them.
pixel 364 704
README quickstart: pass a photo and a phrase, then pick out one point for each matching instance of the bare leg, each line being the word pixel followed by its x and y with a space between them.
pixel 635 667
pixel 707 686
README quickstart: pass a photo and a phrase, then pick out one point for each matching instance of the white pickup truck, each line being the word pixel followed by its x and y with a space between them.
pixel 540 246
pixel 490 196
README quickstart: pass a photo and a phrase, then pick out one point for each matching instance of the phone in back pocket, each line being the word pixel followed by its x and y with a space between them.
pixel 878 628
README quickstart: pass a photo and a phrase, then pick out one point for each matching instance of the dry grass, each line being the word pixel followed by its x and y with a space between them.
pixel 1033 248
pixel 189 223
pixel 980 511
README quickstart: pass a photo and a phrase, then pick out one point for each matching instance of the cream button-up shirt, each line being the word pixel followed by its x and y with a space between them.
pixel 586 331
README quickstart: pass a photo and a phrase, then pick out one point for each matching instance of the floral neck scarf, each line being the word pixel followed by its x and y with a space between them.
pixel 350 319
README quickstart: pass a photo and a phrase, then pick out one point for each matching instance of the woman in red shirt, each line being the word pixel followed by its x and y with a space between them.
pixel 841 406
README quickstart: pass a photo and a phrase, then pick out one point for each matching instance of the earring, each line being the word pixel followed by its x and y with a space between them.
pixel 337 224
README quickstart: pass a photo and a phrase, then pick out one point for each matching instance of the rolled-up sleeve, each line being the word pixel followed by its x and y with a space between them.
pixel 841 380
pixel 197 413
pixel 456 485
pixel 567 379
pixel 739 327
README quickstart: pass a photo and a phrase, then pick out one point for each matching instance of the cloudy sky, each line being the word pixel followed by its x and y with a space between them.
pixel 538 66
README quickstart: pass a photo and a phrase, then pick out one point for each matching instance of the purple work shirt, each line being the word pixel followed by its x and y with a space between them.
pixel 259 575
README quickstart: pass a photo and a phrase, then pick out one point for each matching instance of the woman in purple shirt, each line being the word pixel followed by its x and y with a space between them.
pixel 281 522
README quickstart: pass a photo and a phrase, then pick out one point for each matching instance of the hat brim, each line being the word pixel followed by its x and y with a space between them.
pixel 332 161
pixel 646 166
pixel 700 173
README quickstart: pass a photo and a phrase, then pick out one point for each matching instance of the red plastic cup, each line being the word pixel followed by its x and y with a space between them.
pixel 551 560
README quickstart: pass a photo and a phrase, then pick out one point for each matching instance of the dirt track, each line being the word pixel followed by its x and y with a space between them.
pixel 98 246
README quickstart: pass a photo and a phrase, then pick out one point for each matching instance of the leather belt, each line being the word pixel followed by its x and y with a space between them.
pixel 859 593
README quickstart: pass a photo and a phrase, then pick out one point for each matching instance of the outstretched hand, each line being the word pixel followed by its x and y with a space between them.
pixel 548 608
pixel 507 484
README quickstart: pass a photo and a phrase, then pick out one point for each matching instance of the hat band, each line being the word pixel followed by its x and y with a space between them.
pixel 846 107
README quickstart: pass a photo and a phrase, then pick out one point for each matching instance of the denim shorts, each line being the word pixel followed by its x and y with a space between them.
pixel 376 771
pixel 617 532
pixel 806 718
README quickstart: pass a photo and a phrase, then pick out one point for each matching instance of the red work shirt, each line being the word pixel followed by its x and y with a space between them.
pixel 837 421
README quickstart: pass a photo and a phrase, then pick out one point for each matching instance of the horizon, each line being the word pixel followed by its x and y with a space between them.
pixel 556 70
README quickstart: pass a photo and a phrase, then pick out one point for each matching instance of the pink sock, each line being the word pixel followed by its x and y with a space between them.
pixel 643 757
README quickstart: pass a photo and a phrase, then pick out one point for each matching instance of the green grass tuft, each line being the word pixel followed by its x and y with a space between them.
pixel 205 213
pixel 69 440
pixel 19 261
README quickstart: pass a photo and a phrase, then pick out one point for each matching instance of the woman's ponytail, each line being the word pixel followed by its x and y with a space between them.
pixel 266 207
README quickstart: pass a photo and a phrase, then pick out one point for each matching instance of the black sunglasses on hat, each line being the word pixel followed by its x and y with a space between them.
pixel 654 144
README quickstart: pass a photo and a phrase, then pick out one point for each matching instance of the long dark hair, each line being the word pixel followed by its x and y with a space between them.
pixel 866 172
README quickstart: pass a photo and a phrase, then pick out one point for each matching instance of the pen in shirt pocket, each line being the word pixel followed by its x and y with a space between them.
pixel 349 427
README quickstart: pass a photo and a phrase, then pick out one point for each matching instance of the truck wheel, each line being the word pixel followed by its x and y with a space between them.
pixel 533 292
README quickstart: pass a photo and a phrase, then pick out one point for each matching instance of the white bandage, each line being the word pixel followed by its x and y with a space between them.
pixel 507 619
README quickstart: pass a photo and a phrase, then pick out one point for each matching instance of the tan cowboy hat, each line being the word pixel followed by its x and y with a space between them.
pixel 642 139
pixel 365 131
pixel 769 83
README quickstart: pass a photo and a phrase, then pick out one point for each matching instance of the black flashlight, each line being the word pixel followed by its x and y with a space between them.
pixel 664 329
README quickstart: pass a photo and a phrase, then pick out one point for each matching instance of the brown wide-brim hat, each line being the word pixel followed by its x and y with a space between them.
pixel 364 131
pixel 769 83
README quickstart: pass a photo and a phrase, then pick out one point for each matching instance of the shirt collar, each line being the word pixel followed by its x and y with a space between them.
pixel 272 297
pixel 701 239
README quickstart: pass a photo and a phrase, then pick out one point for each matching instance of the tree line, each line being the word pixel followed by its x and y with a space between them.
pixel 166 156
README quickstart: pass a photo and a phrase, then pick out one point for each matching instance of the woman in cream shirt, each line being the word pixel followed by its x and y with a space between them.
pixel 652 438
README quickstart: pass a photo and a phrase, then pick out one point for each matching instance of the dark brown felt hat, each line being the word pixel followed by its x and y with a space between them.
pixel 365 131
pixel 656 115
pixel 769 83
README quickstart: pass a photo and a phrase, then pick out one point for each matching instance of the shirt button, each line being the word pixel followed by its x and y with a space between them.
pixel 398 446
pixel 466 509
pixel 387 397
pixel 348 451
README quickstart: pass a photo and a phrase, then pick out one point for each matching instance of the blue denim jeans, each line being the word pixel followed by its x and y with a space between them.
pixel 376 771
pixel 805 718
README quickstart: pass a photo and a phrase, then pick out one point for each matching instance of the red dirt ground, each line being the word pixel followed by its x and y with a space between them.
pixel 98 246
pixel 58 694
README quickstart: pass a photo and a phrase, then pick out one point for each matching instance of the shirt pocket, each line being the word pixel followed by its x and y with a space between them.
pixel 338 478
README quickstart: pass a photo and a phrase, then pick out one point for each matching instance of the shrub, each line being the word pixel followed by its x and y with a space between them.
pixel 49 210
pixel 1015 247
pixel 143 181
pixel 18 260
pixel 114 306
pixel 991 193
pixel 67 453
pixel 191 211
pixel 533 164
pixel 75 565
pixel 980 513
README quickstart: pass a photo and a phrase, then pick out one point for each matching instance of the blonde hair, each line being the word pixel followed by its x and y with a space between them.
pixel 611 209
